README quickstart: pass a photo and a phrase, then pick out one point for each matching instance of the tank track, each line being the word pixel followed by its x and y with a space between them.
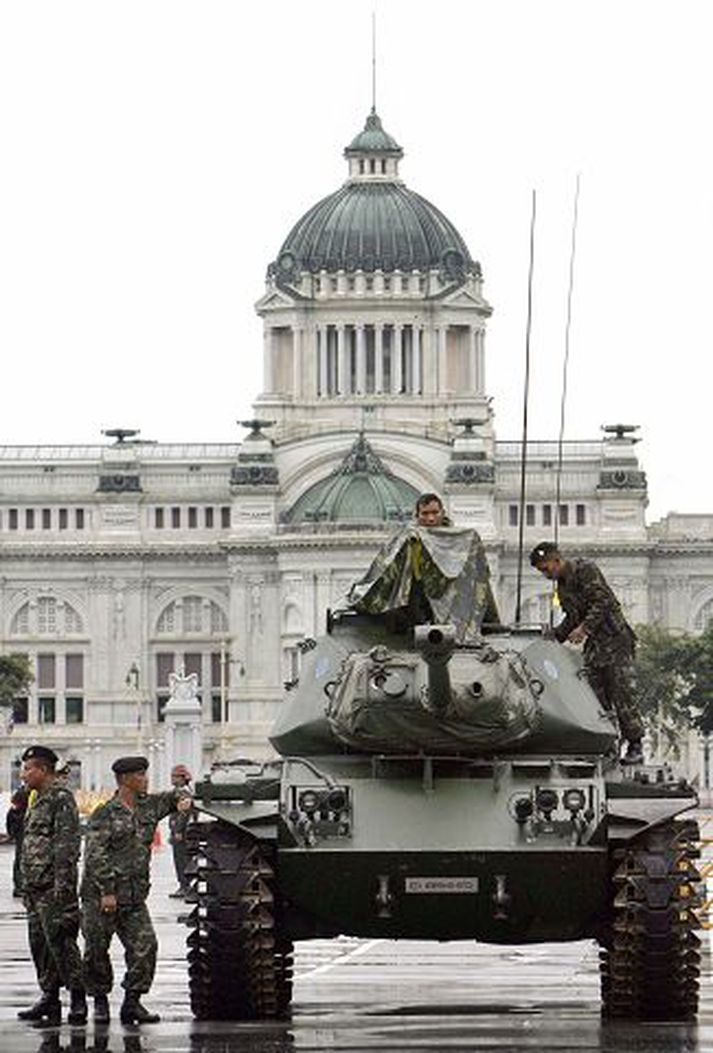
pixel 239 963
pixel 650 963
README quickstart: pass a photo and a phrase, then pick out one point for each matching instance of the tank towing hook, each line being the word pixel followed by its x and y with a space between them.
pixel 436 644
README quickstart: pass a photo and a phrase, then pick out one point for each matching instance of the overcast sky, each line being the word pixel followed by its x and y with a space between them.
pixel 156 153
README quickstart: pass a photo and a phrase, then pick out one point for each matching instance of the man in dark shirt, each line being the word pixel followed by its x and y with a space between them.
pixel 593 616
pixel 115 884
pixel 177 824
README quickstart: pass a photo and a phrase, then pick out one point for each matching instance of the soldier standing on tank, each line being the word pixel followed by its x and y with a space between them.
pixel 50 853
pixel 177 824
pixel 115 884
pixel 593 616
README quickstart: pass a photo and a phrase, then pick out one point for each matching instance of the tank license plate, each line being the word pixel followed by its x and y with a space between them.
pixel 441 884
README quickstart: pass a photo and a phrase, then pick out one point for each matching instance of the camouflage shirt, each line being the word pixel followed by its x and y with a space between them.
pixel 588 600
pixel 118 849
pixel 51 842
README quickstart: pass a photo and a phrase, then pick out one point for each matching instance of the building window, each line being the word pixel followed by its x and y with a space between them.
pixel 175 518
pixel 74 709
pixel 158 518
pixel 74 671
pixel 12 519
pixel 383 167
pixel 581 515
pixel 547 515
pixel 45 671
pixel 372 165
pixel 529 515
pixel 79 518
pixel 63 518
pixel 192 614
pixel 21 711
pixel 216 709
pixel 225 517
pixel 46 518
pixel 46 709
pixel 29 519
pixel 193 664
pixel 209 518
pixel 512 515
pixel 192 518
pixel 164 667
pixel 47 615
pixel 564 515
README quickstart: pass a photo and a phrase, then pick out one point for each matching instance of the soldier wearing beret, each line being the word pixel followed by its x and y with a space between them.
pixel 115 884
pixel 593 616
pixel 48 862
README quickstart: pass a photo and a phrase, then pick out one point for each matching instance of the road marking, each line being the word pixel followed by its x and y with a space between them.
pixel 356 953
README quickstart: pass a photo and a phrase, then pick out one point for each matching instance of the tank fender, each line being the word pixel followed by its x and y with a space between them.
pixel 256 818
pixel 627 817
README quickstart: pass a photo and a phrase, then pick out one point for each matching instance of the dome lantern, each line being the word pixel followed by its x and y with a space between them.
pixel 373 154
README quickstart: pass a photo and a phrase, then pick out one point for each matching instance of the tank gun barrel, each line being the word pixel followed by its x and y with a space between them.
pixel 436 643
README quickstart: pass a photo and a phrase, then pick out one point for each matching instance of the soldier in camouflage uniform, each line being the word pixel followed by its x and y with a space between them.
pixel 115 884
pixel 429 572
pixel 177 825
pixel 593 616
pixel 48 861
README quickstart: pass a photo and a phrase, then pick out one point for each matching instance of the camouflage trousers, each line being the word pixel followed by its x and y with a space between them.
pixel 53 928
pixel 132 924
pixel 611 672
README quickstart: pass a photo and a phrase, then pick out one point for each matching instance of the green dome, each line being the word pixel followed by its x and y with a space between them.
pixel 373 139
pixel 360 489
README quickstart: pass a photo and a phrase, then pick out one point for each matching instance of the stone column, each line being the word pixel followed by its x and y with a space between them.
pixel 361 359
pixel 268 373
pixel 442 360
pixel 342 362
pixel 296 362
pixel 322 387
pixel 397 380
pixel 378 358
pixel 416 353
pixel 473 385
pixel 480 360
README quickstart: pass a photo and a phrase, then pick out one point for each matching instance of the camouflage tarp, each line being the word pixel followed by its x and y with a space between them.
pixel 454 577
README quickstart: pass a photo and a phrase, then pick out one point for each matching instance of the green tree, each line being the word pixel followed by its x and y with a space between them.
pixel 666 681
pixel 15 678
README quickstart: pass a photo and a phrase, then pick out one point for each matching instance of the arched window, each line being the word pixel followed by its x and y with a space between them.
pixel 47 616
pixel 704 616
pixel 193 615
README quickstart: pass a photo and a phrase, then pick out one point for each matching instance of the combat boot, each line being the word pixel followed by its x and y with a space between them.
pixel 132 1012
pixel 77 1006
pixel 47 1005
pixel 101 1009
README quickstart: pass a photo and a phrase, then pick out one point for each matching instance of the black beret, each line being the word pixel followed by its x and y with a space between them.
pixel 41 753
pixel 125 765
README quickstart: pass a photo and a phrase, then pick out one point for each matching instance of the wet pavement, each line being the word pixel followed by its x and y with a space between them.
pixel 352 994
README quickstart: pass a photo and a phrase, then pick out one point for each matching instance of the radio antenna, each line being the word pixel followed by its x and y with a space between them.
pixel 565 365
pixel 523 462
pixel 373 61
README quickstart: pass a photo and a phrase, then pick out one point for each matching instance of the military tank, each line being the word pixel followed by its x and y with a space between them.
pixel 430 788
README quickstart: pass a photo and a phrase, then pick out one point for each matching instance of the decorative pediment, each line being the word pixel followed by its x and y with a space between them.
pixel 274 300
pixel 463 298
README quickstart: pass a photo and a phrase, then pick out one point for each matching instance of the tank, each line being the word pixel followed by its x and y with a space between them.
pixel 428 788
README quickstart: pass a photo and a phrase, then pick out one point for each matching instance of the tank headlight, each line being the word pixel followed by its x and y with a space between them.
pixel 546 800
pixel 523 809
pixel 574 800
pixel 336 800
pixel 309 801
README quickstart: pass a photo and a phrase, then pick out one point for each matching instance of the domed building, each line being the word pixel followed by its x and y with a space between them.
pixel 127 561
pixel 373 305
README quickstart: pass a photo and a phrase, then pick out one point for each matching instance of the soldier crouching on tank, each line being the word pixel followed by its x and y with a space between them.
pixel 48 862
pixel 115 884
pixel 593 616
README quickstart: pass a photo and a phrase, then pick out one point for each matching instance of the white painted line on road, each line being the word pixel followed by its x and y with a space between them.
pixel 356 953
